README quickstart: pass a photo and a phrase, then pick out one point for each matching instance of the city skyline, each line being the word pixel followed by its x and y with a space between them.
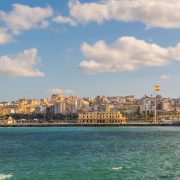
pixel 63 46
pixel 87 107
pixel 66 96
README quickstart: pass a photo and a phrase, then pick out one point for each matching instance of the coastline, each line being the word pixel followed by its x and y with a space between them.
pixel 88 125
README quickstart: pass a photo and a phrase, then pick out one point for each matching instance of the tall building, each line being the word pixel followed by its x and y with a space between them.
pixel 107 107
pixel 59 107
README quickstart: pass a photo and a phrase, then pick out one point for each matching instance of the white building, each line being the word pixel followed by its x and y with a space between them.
pixel 40 110
pixel 59 107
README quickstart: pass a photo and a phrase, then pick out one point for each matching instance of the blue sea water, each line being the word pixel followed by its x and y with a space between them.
pixel 90 153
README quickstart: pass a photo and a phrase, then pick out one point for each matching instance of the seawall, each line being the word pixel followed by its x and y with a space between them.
pixel 87 125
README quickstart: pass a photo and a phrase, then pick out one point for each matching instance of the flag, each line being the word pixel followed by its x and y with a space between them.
pixel 157 88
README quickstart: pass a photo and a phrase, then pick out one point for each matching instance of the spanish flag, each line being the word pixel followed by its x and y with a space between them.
pixel 157 88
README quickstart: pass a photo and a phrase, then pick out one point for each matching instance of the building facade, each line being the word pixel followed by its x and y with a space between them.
pixel 59 108
pixel 106 117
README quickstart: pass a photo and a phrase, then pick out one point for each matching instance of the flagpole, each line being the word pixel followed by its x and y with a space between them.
pixel 157 88
pixel 155 111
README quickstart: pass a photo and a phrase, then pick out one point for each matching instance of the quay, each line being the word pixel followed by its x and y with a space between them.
pixel 88 124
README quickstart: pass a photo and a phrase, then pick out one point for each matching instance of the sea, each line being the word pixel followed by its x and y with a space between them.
pixel 90 153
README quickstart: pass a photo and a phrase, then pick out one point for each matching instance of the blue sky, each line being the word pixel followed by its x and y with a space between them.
pixel 59 46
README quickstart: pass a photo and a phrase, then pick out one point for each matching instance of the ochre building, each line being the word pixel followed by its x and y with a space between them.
pixel 101 117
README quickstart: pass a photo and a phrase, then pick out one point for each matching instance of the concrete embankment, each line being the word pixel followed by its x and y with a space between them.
pixel 86 125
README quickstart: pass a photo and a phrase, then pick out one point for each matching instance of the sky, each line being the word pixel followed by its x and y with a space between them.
pixel 89 48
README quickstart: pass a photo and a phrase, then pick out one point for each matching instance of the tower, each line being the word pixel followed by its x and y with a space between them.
pixel 107 107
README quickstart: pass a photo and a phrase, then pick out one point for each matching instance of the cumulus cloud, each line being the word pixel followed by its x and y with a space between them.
pixel 66 92
pixel 23 17
pixel 165 77
pixel 64 20
pixel 153 13
pixel 4 36
pixel 126 54
pixel 24 64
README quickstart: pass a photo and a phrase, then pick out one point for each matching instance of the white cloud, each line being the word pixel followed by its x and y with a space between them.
pixel 24 64
pixel 153 13
pixel 23 17
pixel 64 20
pixel 66 92
pixel 165 77
pixel 126 54
pixel 4 36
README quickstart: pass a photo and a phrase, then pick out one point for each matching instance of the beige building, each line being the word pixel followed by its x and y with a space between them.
pixel 9 121
pixel 101 117
pixel 106 117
